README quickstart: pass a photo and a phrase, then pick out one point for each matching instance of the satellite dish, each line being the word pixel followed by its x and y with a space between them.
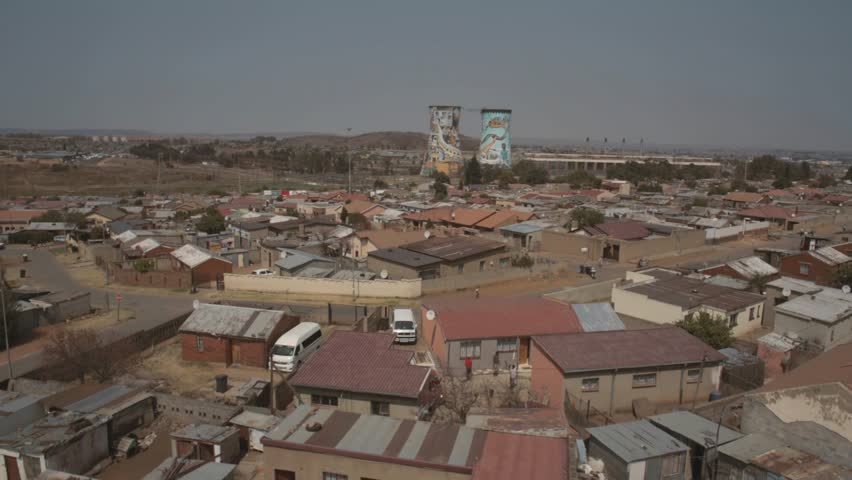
pixel 584 249
pixel 846 289
pixel 430 315
pixel 383 274
pixel 195 304
pixel 427 234
pixel 786 292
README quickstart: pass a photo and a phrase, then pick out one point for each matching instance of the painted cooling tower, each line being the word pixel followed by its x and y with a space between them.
pixel 443 151
pixel 495 145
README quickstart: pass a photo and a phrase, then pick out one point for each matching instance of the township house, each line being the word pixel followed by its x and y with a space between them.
pixel 488 328
pixel 612 369
pixel 744 199
pixel 363 242
pixel 16 220
pixel 822 318
pixel 204 267
pixel 105 214
pixel 228 334
pixel 440 257
pixel 363 373
pixel 785 218
pixel 819 266
pixel 662 296
pixel 746 269
pixel 353 446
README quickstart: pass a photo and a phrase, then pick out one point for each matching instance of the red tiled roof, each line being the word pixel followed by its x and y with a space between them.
pixel 500 317
pixel 434 215
pixel 624 230
pixel 362 362
pixel 625 349
pixel 766 211
pixel 468 217
pixel 511 456
pixel 361 206
pixel 780 193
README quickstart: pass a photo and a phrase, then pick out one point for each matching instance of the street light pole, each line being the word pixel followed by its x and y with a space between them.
pixel 349 158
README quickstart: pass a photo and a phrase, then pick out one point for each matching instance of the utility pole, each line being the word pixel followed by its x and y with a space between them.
pixel 349 158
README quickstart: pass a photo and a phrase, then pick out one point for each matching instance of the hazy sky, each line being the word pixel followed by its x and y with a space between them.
pixel 740 73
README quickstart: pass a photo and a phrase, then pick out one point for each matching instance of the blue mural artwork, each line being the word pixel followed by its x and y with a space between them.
pixel 495 146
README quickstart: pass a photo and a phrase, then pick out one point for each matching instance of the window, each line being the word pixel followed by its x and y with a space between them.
pixel 199 343
pixel 591 384
pixel 323 400
pixel 804 269
pixel 482 265
pixel 504 262
pixel 334 476
pixel 831 337
pixel 461 268
pixel 751 314
pixel 507 344
pixel 469 349
pixel 693 375
pixel 644 380
pixel 673 465
pixel 313 338
pixel 380 408
pixel 732 320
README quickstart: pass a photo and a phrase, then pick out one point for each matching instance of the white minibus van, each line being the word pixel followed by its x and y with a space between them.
pixel 295 346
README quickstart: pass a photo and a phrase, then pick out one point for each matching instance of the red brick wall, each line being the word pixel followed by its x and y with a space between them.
pixel 431 332
pixel 547 380
pixel 820 273
pixel 159 279
pixel 216 349
pixel 207 273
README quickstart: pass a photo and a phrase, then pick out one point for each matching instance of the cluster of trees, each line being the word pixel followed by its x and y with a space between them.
pixel 711 329
pixel 662 171
pixel 579 179
pixel 154 151
pixel 211 222
pixel 767 167
pixel 585 217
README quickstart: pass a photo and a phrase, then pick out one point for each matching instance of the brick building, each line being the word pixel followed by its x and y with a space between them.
pixel 228 334
pixel 204 267
pixel 819 266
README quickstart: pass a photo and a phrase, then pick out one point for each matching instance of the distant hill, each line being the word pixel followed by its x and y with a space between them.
pixel 388 139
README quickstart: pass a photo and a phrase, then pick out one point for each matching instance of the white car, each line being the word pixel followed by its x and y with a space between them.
pixel 264 272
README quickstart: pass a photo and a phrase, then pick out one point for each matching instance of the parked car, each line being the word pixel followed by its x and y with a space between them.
pixel 264 272
pixel 404 325
pixel 295 346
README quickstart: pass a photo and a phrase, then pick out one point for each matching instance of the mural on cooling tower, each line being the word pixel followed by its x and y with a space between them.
pixel 444 139
pixel 495 145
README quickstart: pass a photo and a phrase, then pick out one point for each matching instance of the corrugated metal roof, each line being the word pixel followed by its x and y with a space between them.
pixel 750 267
pixel 525 227
pixel 99 399
pixel 795 285
pixel 205 432
pixel 750 446
pixel 830 256
pixel 634 441
pixel 508 456
pixel 258 421
pixel 11 402
pixel 394 440
pixel 829 305
pixel 227 320
pixel 694 427
pixel 191 256
pixel 597 317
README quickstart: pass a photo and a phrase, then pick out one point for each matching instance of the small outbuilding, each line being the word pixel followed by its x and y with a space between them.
pixel 638 450
pixel 228 334
pixel 212 443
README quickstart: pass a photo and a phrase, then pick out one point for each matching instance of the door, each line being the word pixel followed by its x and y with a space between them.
pixel 524 351
pixel 11 468
pixel 235 352
pixel 284 475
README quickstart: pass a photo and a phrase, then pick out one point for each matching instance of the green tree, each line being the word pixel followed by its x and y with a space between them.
pixel 843 276
pixel 344 215
pixel 848 174
pixel 440 189
pixel 211 222
pixel 472 172
pixel 379 183
pixel 441 177
pixel 710 329
pixel 805 172
pixel 358 221
pixel 586 217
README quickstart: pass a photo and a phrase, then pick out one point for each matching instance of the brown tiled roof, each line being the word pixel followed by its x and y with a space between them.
pixel 766 211
pixel 454 248
pixel 746 197
pixel 625 349
pixel 19 216
pixel 362 362
pixel 689 293
pixel 502 317
pixel 624 230
pixel 504 217
pixel 390 238
pixel 361 206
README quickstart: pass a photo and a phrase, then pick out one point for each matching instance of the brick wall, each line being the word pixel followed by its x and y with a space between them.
pixel 818 272
pixel 215 349
pixel 547 380
pixel 157 279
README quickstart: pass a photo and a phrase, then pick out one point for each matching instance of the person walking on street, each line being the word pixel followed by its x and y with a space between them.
pixel 468 366
pixel 513 376
pixel 477 292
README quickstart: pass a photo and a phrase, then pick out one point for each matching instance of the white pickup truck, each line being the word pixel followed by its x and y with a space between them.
pixel 404 325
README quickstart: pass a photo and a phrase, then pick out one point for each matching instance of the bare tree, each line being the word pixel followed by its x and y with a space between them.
pixel 456 396
pixel 81 352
